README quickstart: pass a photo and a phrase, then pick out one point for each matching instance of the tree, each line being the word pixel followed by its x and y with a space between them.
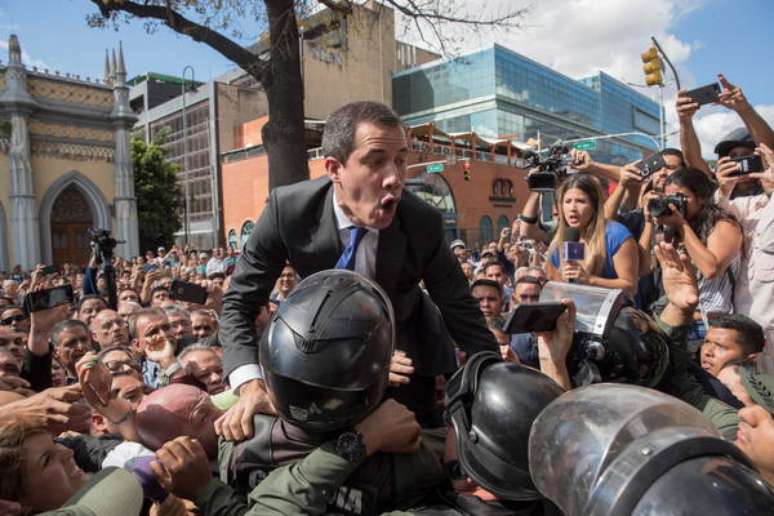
pixel 158 195
pixel 278 70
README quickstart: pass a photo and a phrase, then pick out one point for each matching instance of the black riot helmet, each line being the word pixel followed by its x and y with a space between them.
pixel 491 405
pixel 326 353
pixel 612 449
pixel 613 341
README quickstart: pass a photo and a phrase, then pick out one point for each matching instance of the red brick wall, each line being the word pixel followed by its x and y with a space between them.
pixel 245 190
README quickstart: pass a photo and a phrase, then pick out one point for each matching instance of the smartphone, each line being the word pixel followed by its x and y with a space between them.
pixel 150 267
pixel 542 182
pixel 574 251
pixel 651 164
pixel 48 270
pixel 49 298
pixel 190 292
pixel 705 95
pixel 747 165
pixel 534 317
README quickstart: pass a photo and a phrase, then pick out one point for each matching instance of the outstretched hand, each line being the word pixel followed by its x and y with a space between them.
pixel 678 277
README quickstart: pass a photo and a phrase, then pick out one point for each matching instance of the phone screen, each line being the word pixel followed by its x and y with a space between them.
pixel 705 94
pixel 49 298
pixel 534 317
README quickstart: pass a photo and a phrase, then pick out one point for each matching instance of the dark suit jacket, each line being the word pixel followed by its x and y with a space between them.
pixel 299 225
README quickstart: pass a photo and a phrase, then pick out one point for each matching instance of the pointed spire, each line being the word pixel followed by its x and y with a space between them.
pixel 14 50
pixel 108 72
pixel 113 66
pixel 121 68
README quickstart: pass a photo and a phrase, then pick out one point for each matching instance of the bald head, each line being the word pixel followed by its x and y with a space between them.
pixel 177 410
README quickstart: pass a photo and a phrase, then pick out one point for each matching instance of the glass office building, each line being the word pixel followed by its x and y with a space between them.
pixel 501 94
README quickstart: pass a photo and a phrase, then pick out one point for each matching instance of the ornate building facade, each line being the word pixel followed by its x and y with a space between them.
pixel 66 163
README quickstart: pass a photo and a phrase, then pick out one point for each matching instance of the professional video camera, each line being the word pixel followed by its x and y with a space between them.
pixel 659 206
pixel 550 169
pixel 103 244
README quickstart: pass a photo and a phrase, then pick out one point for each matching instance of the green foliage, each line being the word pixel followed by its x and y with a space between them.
pixel 158 195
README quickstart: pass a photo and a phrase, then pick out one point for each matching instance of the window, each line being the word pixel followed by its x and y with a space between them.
pixel 502 222
pixel 233 242
pixel 485 229
pixel 247 229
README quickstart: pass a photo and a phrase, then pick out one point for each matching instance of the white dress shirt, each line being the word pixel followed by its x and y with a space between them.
pixel 365 258
pixel 365 264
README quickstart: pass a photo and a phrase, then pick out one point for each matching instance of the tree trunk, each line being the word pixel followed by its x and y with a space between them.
pixel 283 135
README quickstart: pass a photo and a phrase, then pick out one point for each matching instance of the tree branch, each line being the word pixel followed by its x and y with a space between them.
pixel 243 58
pixel 415 12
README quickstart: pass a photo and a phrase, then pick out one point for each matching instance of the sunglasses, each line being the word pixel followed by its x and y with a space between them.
pixel 10 320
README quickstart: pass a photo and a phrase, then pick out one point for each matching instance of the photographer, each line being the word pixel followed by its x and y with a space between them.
pixel 611 255
pixel 712 238
pixel 754 290
pixel 732 98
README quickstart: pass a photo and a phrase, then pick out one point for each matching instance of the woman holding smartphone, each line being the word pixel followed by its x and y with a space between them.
pixel 610 253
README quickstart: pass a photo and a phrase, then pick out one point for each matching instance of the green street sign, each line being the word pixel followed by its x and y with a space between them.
pixel 585 145
pixel 434 168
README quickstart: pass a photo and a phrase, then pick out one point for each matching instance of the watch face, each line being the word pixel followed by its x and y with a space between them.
pixel 350 446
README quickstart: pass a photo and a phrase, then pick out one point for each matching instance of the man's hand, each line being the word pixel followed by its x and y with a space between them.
pixel 678 277
pixel 581 160
pixel 391 428
pixel 686 107
pixel 57 408
pixel 237 423
pixel 17 384
pixel 630 175
pixel 732 96
pixel 161 350
pixel 182 467
pixel 400 369
pixel 767 176
pixel 725 168
pixel 555 345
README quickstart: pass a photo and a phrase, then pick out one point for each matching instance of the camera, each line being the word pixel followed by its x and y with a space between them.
pixel 103 244
pixel 659 206
pixel 747 165
pixel 651 164
pixel 550 169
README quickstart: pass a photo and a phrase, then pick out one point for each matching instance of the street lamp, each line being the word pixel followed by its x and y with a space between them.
pixel 186 173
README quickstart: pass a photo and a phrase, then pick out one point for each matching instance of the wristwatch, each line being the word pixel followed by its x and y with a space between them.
pixel 351 446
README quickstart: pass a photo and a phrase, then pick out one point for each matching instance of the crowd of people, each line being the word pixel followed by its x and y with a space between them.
pixel 349 360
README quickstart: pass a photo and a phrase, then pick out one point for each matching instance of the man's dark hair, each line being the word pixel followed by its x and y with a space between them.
pixel 339 134
pixel 494 262
pixel 61 326
pixel 217 275
pixel 671 151
pixel 750 333
pixel 157 289
pixel 487 283
pixel 85 298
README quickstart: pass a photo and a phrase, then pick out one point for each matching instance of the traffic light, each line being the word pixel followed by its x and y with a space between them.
pixel 652 67
pixel 466 170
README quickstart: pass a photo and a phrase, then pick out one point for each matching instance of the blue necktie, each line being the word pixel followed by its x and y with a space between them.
pixel 347 258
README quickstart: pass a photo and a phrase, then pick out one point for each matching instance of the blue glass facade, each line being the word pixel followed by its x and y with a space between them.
pixel 499 93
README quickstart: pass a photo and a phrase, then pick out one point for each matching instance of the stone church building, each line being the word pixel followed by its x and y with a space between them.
pixel 65 163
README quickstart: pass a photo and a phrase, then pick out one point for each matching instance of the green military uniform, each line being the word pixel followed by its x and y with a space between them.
pixel 682 384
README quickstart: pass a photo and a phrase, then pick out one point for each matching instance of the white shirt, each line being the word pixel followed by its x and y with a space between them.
pixel 365 258
pixel 365 264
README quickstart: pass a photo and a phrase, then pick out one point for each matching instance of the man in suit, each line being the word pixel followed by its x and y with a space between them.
pixel 359 218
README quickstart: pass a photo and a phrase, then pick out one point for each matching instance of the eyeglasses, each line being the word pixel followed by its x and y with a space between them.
pixel 10 320
pixel 121 365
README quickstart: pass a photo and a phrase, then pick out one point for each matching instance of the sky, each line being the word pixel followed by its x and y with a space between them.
pixel 576 37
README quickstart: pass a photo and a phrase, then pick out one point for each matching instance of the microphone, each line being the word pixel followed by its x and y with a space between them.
pixel 574 251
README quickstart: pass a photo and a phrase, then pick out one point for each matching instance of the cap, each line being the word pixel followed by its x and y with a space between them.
pixel 111 492
pixel 457 243
pixel 759 386
pixel 739 137
pixel 203 255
